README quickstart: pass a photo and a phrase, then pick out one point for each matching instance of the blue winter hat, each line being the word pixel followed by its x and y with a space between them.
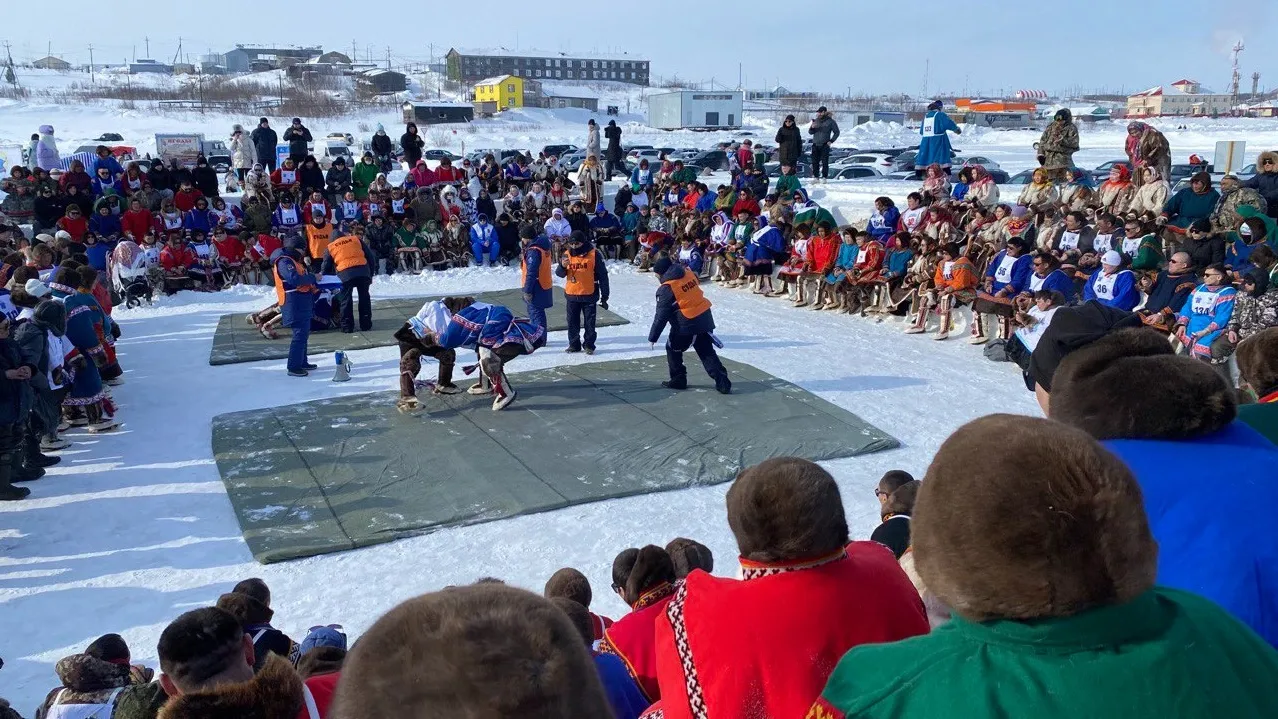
pixel 329 636
pixel 599 208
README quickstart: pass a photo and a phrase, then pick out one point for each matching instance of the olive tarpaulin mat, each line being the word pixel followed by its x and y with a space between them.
pixel 336 474
pixel 237 340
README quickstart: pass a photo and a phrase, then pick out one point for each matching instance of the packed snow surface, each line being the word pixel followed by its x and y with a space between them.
pixel 134 527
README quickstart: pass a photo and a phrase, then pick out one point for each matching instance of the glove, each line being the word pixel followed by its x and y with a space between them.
pixel 59 376
pixel 603 304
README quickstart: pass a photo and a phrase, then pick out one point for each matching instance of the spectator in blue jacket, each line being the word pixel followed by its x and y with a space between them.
pixel 884 219
pixel 103 223
pixel 642 176
pixel 605 228
pixel 1172 420
pixel 199 218
pixel 1112 285
pixel 107 160
pixel 103 181
pixel 623 692
pixel 484 244
pixel 1007 276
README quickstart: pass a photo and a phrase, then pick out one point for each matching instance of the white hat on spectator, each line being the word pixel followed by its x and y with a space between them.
pixel 36 288
pixel 62 235
pixel 1112 258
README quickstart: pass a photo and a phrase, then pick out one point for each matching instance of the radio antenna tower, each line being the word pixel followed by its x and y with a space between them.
pixel 1236 78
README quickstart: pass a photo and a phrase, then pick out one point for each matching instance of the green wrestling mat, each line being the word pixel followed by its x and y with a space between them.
pixel 235 340
pixel 332 475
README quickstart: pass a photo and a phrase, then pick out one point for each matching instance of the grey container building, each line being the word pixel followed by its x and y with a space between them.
pixel 695 110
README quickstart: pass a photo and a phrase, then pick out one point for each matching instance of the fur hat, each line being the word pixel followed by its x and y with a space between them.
pixel 569 583
pixel 689 554
pixel 786 508
pixel 1072 328
pixel 1052 525
pixel 1130 385
pixel 1258 361
pixel 480 651
pixel 276 691
pixel 247 609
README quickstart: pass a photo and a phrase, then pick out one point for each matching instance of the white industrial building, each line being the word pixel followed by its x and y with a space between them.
pixel 696 109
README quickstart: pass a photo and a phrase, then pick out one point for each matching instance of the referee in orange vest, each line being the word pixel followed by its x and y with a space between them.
pixel 682 305
pixel 352 260
pixel 582 266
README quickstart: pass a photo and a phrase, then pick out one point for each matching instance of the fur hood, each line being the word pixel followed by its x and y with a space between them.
pixel 247 609
pixel 275 693
pixel 1045 529
pixel 1267 155
pixel 1130 385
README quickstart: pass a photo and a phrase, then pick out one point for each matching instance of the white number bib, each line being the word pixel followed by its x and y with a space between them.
pixel 1004 272
pixel 1069 241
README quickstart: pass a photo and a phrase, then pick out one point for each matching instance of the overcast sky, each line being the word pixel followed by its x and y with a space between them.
pixel 974 46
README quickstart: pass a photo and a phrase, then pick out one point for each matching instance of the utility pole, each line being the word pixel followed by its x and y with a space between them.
pixel 148 45
pixel 388 57
pixel 739 76
pixel 92 77
pixel 354 51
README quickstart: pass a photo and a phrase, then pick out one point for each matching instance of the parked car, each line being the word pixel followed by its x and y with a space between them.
pixel 1024 177
pixel 109 137
pixel 858 172
pixel 773 169
pixel 635 156
pixel 346 137
pixel 875 159
pixel 710 160
pixel 981 160
pixel 438 154
pixel 558 150
pixel 1000 176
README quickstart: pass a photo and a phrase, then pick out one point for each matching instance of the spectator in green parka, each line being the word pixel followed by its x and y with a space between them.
pixel 1046 561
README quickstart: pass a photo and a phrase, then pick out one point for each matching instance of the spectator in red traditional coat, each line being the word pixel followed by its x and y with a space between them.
pixel 746 203
pixel 136 221
pixel 184 199
pixel 447 174
pixel 74 223
pixel 645 580
pixel 422 175
pixel 765 644
pixel 177 257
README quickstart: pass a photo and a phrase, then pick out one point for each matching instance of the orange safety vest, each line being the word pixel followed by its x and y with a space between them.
pixel 317 239
pixel 688 296
pixel 280 292
pixel 581 274
pixel 543 270
pixel 347 252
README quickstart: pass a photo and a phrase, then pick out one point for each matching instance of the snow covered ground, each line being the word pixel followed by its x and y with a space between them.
pixel 135 527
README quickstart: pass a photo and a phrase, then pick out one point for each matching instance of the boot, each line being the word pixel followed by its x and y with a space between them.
pixel 505 393
pixel 53 443
pixel 722 384
pixel 19 473
pixel 1004 328
pixel 481 387
pixel 675 384
pixel 8 492
pixel 943 332
pixel 408 405
pixel 32 456
pixel 978 336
